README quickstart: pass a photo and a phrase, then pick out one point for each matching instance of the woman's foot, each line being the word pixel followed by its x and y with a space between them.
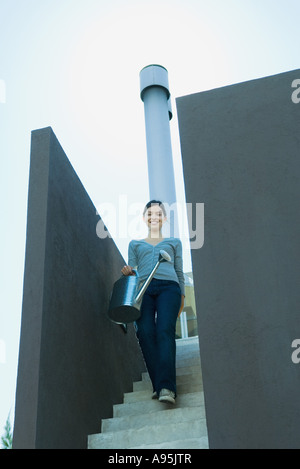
pixel 166 395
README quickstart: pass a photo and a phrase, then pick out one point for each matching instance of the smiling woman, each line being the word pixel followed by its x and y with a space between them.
pixel 162 303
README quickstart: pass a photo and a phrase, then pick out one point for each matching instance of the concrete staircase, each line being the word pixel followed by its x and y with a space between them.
pixel 143 423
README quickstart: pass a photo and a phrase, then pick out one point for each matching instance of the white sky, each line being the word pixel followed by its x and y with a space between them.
pixel 74 65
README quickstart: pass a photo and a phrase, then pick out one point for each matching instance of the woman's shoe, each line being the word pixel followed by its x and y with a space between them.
pixel 154 395
pixel 166 395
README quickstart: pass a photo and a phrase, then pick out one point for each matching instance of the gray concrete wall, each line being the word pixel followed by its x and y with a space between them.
pixel 74 364
pixel 241 158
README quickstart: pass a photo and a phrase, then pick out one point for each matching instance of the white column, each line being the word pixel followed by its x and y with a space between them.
pixel 157 106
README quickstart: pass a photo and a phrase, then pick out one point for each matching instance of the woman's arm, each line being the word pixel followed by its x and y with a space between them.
pixel 182 305
pixel 178 266
pixel 132 261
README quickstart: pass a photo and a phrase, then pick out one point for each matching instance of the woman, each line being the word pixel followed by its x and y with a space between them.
pixel 162 303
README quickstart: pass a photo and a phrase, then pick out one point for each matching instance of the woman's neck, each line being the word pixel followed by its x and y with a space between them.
pixel 155 235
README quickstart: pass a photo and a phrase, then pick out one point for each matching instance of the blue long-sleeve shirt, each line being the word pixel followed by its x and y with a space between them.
pixel 143 256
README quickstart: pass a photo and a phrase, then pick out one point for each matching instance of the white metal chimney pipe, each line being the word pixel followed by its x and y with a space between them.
pixel 154 87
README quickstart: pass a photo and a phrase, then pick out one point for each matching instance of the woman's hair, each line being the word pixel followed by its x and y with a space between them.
pixel 155 202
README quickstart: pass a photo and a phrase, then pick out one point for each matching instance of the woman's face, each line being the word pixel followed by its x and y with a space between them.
pixel 154 218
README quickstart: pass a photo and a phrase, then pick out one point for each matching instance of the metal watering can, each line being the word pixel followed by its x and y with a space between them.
pixel 126 298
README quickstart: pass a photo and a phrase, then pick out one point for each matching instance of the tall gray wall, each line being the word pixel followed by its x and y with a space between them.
pixel 74 364
pixel 241 158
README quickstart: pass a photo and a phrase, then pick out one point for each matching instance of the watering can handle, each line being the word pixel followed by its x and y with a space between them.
pixel 133 270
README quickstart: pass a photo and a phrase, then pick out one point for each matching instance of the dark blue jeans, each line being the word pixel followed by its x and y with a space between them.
pixel 156 332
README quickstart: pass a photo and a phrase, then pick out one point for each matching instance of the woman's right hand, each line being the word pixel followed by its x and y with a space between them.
pixel 127 270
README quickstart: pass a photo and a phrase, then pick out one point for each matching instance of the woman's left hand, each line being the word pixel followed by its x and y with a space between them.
pixel 182 305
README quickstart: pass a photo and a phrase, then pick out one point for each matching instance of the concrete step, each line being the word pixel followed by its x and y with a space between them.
pixel 182 388
pixel 184 370
pixel 144 423
pixel 189 341
pixel 161 416
pixel 187 443
pixel 152 434
pixel 187 361
pixel 187 346
pixel 194 399
pixel 189 349
pixel 146 385
pixel 185 353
